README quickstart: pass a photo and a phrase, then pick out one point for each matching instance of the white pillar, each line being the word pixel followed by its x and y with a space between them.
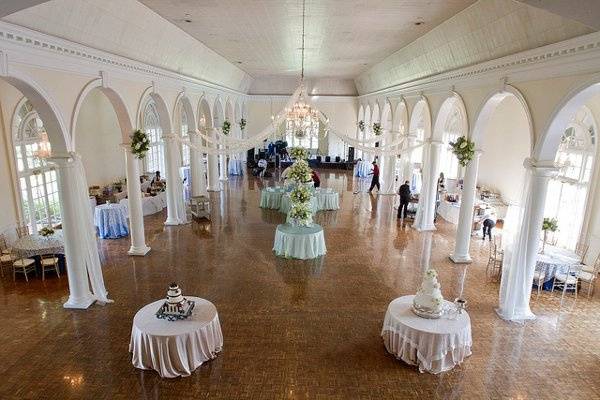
pixel 388 168
pixel 134 206
pixel 223 165
pixel 213 166
pixel 174 187
pixel 465 218
pixel 427 199
pixel 520 257
pixel 80 295
pixel 197 166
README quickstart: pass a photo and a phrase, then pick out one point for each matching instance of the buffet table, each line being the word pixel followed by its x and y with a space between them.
pixel 434 345
pixel 449 211
pixel 175 348
pixel 362 169
pixel 299 242
pixel 38 245
pixel 111 221
pixel 150 205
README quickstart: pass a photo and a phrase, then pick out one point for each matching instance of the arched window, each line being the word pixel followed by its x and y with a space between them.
pixel 568 191
pixel 38 183
pixel 151 124
pixel 449 162
pixel 184 132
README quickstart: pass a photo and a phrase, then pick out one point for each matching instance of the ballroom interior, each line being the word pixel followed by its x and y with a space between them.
pixel 302 199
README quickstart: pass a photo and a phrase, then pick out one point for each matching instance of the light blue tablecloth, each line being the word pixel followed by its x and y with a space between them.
pixel 271 198
pixel 556 260
pixel 327 199
pixel 362 169
pixel 235 167
pixel 299 242
pixel 111 221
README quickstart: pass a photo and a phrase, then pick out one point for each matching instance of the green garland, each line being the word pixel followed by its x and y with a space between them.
pixel 140 144
pixel 242 124
pixel 550 224
pixel 377 128
pixel 463 149
pixel 226 127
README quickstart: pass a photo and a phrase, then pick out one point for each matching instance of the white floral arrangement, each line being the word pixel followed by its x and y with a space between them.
pixel 300 172
pixel 46 231
pixel 463 149
pixel 299 153
pixel 301 194
pixel 226 127
pixel 377 128
pixel 140 144
pixel 242 123
pixel 301 214
pixel 361 125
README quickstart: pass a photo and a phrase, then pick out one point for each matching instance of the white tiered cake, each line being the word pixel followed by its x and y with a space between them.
pixel 176 307
pixel 428 301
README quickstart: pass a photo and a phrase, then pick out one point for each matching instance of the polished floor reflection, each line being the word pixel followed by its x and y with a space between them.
pixel 292 329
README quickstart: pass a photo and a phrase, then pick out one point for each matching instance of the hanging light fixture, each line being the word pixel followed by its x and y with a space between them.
pixel 44 150
pixel 301 117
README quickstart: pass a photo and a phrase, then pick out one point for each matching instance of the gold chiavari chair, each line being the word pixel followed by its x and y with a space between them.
pixel 49 263
pixel 23 266
pixel 589 275
pixel 22 230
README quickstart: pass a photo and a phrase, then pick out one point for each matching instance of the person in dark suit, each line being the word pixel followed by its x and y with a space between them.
pixel 405 194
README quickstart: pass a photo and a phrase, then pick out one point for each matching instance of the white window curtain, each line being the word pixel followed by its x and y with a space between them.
pixel 38 185
pixel 155 159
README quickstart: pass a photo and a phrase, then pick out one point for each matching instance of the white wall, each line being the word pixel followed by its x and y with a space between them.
pixel 98 139
pixel 506 143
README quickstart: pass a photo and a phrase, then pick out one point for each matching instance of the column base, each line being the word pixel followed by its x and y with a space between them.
pixel 80 304
pixel 461 259
pixel 138 251
pixel 214 189
pixel 425 228
pixel 172 222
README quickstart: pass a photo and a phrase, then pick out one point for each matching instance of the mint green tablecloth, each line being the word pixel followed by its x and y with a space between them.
pixel 299 242
pixel 271 198
pixel 327 200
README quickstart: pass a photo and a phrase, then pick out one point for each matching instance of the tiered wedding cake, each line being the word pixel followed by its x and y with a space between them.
pixel 176 306
pixel 428 301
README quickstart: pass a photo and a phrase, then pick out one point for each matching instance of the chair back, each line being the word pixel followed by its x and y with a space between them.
pixel 3 243
pixel 22 230
pixel 581 249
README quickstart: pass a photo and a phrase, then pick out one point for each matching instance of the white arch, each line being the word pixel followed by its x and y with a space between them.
pixel 204 111
pixel 421 118
pixel 184 101
pixel 400 117
pixel 218 113
pixel 453 103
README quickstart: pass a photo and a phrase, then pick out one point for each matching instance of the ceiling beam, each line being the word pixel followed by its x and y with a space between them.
pixel 8 7
pixel 586 12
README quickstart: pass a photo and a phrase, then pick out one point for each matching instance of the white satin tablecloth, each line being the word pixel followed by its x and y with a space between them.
pixel 299 242
pixel 175 348
pixel 556 260
pixel 150 205
pixel 434 345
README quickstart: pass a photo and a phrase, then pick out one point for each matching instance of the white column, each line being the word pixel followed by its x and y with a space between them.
pixel 197 166
pixel 213 167
pixel 520 257
pixel 174 194
pixel 134 205
pixel 427 199
pixel 80 295
pixel 465 216
pixel 223 165
pixel 388 168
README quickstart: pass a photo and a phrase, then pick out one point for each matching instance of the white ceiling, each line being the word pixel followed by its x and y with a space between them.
pixel 343 37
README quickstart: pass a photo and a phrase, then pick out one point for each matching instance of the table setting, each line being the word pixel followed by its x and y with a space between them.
pixel 38 245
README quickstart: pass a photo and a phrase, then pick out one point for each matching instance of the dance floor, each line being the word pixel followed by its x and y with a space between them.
pixel 292 329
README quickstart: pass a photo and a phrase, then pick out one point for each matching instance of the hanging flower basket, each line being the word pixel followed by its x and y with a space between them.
pixel 377 128
pixel 463 149
pixel 242 124
pixel 140 144
pixel 361 125
pixel 226 127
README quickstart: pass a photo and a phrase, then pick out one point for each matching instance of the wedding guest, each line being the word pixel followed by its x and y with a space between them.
pixel 262 167
pixel 405 194
pixel 316 179
pixel 489 221
pixel 375 179
pixel 156 178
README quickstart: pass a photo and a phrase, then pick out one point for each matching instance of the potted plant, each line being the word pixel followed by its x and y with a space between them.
pixel 549 225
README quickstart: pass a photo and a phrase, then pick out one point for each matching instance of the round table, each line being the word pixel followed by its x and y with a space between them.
pixel 327 199
pixel 301 242
pixel 434 345
pixel 556 260
pixel 111 221
pixel 235 167
pixel 271 198
pixel 362 169
pixel 175 348
pixel 38 245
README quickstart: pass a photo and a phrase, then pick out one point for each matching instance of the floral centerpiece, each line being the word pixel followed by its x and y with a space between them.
pixel 361 125
pixel 301 214
pixel 46 231
pixel 377 128
pixel 549 225
pixel 463 149
pixel 300 172
pixel 242 123
pixel 226 127
pixel 299 153
pixel 301 194
pixel 140 144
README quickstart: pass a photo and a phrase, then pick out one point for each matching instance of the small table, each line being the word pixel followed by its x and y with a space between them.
pixel 301 242
pixel 327 199
pixel 235 167
pixel 111 221
pixel 175 348
pixel 38 245
pixel 556 260
pixel 271 198
pixel 362 169
pixel 434 345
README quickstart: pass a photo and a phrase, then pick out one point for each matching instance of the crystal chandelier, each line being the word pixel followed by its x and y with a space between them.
pixel 44 150
pixel 301 118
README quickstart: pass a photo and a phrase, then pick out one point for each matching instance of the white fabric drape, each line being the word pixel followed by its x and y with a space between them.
pixel 389 150
pixel 87 231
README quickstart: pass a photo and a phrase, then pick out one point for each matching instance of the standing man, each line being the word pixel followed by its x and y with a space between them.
pixel 375 179
pixel 405 194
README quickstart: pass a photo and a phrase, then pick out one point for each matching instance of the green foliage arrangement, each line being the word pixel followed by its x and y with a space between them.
pixel 226 127
pixel 361 125
pixel 550 224
pixel 140 144
pixel 377 128
pixel 242 124
pixel 463 149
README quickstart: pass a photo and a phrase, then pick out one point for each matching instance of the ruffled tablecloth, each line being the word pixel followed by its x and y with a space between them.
pixel 175 348
pixel 327 199
pixel 434 345
pixel 150 205
pixel 271 198
pixel 38 245
pixel 111 221
pixel 286 204
pixel 299 242
pixel 362 169
pixel 235 167
pixel 556 260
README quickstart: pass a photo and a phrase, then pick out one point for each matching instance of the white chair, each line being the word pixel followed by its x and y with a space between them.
pixel 565 281
pixel 589 276
pixel 539 279
pixel 581 250
pixel 49 262
pixel 23 266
